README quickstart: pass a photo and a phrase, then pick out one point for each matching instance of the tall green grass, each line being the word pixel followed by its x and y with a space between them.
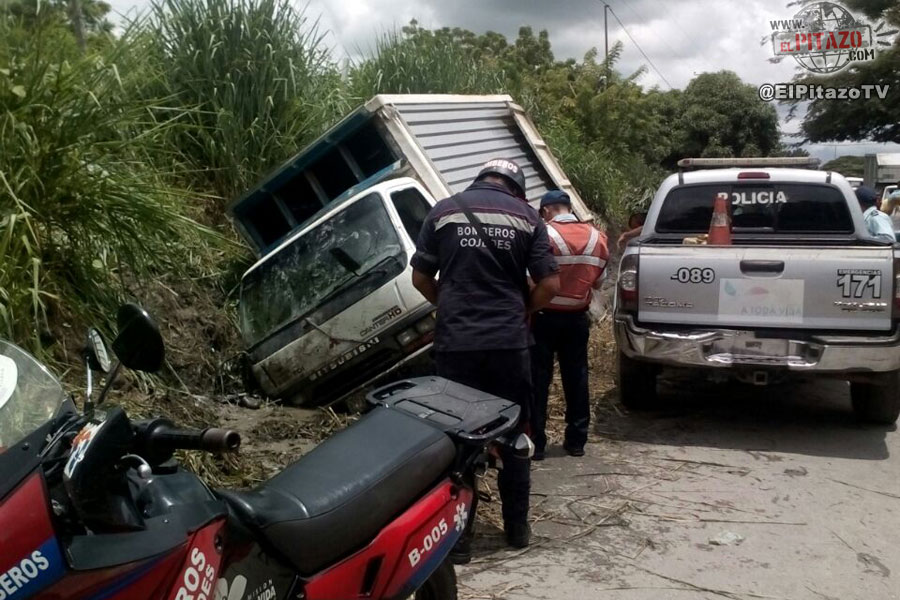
pixel 256 77
pixel 84 211
pixel 416 61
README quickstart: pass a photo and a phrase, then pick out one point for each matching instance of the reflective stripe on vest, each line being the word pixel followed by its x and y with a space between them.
pixel 558 241
pixel 578 271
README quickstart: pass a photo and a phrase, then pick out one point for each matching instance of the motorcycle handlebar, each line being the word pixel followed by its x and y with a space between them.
pixel 162 437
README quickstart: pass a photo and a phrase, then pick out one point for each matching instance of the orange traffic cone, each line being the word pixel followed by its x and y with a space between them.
pixel 720 225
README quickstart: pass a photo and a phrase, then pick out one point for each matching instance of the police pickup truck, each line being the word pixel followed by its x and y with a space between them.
pixel 802 289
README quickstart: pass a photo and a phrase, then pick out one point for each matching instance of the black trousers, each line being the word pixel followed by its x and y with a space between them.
pixel 564 335
pixel 507 374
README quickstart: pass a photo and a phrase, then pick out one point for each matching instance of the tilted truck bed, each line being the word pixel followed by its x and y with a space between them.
pixel 441 140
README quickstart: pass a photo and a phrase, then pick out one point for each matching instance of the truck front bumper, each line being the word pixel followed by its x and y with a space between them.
pixel 724 348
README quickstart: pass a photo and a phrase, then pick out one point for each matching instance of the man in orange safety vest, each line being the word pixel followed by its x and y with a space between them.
pixel 562 329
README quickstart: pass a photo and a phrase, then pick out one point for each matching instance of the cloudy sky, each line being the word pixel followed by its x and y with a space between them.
pixel 681 37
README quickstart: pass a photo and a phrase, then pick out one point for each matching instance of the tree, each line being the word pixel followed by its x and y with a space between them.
pixel 874 119
pixel 85 16
pixel 416 60
pixel 848 166
pixel 721 116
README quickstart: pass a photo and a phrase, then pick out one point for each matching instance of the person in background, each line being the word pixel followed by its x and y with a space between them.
pixel 635 228
pixel 562 329
pixel 482 241
pixel 892 202
pixel 878 224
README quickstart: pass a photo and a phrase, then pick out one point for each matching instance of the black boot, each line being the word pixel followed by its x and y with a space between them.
pixel 518 535
pixel 462 551
pixel 573 450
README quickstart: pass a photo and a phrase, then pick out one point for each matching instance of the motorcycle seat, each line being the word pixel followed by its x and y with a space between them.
pixel 337 498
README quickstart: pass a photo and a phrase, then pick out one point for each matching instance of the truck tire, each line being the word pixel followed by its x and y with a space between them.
pixel 637 383
pixel 877 402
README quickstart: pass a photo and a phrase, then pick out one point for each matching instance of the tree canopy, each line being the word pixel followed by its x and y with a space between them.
pixel 873 119
pixel 848 166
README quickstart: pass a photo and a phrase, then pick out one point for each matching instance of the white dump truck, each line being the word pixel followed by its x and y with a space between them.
pixel 329 305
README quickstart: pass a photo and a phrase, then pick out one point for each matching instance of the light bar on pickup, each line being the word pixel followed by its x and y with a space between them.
pixel 712 163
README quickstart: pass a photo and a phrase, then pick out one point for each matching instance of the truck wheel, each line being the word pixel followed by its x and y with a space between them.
pixel 441 585
pixel 637 383
pixel 877 402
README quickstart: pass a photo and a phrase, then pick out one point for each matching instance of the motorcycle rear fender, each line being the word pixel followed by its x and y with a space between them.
pixel 404 554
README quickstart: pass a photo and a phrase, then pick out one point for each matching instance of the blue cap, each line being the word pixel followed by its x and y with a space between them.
pixel 555 197
pixel 866 196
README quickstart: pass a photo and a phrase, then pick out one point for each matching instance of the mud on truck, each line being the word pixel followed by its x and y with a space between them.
pixel 329 305
pixel 802 290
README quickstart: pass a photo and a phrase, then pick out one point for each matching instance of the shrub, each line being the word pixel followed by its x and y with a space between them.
pixel 82 208
pixel 256 77
pixel 421 61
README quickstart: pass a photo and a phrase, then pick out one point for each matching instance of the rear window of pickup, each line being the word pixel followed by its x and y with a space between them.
pixel 775 208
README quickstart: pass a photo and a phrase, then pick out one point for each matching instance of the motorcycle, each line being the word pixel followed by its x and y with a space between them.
pixel 95 505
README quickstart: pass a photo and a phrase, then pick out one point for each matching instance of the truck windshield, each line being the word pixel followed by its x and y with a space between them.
pixel 776 208
pixel 319 265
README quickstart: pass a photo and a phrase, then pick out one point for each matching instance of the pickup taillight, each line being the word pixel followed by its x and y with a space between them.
pixel 896 305
pixel 628 283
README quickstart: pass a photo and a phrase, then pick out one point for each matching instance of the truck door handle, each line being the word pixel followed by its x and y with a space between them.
pixel 762 266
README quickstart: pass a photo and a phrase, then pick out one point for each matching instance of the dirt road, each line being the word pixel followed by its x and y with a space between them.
pixel 732 492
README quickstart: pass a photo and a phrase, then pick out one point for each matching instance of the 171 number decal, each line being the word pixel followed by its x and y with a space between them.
pixel 685 275
pixel 854 282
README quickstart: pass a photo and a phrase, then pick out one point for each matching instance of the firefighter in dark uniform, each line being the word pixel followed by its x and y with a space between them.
pixel 562 328
pixel 483 305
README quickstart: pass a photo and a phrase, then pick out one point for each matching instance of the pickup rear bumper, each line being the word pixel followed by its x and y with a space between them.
pixel 724 348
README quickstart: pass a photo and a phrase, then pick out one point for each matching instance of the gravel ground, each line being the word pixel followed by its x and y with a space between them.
pixel 731 492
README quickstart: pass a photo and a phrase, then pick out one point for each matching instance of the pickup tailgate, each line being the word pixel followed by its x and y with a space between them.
pixel 840 288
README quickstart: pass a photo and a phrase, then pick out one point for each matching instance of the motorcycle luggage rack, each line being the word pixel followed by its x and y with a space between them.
pixel 459 410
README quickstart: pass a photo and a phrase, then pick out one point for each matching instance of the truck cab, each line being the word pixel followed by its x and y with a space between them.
pixel 332 307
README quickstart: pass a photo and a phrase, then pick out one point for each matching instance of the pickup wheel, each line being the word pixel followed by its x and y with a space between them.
pixel 637 383
pixel 877 402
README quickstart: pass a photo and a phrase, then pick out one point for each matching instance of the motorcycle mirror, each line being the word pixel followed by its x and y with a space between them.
pixel 139 344
pixel 95 352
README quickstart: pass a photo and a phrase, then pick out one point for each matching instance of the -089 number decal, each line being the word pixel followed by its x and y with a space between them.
pixel 685 275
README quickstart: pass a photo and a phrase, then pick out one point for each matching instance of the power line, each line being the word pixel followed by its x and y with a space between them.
pixel 671 18
pixel 636 45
